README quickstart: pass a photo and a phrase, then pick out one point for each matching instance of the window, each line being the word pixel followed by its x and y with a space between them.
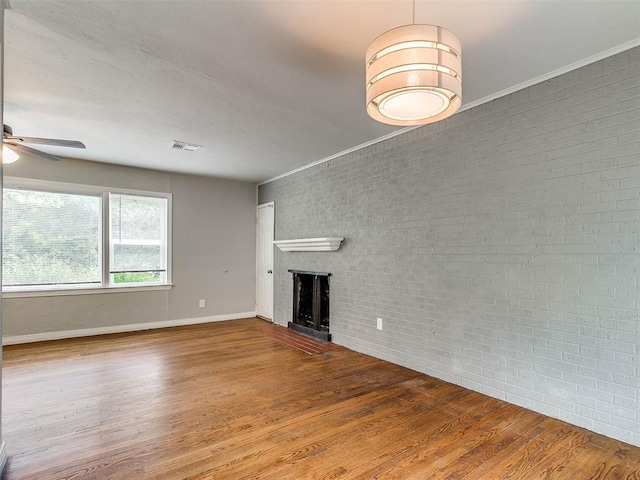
pixel 138 247
pixel 50 239
pixel 62 237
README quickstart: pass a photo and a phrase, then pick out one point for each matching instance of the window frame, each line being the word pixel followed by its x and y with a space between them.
pixel 164 248
pixel 105 237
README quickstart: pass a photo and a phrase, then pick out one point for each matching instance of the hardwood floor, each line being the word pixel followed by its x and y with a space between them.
pixel 224 401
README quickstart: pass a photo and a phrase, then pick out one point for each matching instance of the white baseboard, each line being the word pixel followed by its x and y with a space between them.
pixel 86 332
pixel 3 457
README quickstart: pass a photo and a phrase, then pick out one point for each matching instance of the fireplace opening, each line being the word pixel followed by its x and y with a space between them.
pixel 311 304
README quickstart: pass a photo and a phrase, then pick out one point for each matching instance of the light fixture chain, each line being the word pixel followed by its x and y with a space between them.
pixel 414 12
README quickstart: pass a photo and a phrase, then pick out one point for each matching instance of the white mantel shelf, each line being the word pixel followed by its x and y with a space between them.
pixel 324 244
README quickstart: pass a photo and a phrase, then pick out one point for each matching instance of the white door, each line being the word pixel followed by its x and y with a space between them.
pixel 264 260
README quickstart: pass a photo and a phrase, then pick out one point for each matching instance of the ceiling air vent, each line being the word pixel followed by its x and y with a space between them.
pixel 188 147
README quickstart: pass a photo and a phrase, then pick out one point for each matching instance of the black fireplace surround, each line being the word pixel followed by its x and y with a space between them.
pixel 311 304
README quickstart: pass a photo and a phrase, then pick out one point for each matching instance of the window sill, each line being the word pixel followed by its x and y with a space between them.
pixel 85 291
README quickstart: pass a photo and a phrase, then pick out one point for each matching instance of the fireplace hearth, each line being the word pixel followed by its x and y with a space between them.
pixel 311 304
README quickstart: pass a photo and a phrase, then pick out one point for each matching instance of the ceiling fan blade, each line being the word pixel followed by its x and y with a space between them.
pixel 47 141
pixel 32 151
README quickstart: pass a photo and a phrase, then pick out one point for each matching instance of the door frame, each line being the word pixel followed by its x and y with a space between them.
pixel 271 205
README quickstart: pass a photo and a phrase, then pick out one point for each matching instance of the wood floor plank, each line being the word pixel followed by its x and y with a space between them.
pixel 224 401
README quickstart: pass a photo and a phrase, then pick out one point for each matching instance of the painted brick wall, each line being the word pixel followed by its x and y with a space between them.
pixel 500 247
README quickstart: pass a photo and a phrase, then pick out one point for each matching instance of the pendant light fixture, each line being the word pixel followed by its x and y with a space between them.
pixel 414 75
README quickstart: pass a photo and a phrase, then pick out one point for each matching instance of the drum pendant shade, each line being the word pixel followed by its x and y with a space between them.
pixel 414 75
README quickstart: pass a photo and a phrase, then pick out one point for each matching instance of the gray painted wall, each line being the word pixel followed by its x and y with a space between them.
pixel 213 230
pixel 500 246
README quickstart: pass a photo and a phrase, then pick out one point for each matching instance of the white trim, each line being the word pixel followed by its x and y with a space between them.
pixel 3 457
pixel 103 193
pixel 323 244
pixel 555 73
pixel 87 332
pixel 340 154
pixel 167 227
pixel 83 291
pixel 539 79
pixel 169 242
pixel 105 236
pixel 53 187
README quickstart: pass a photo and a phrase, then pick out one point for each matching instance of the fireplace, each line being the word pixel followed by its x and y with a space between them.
pixel 311 304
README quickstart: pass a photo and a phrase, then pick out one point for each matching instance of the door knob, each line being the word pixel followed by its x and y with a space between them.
pixel 269 271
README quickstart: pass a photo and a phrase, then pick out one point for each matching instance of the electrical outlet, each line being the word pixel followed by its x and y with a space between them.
pixel 201 303
pixel 379 325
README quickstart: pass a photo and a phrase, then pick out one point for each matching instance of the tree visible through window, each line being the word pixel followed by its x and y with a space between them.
pixel 63 239
pixel 50 238
pixel 138 234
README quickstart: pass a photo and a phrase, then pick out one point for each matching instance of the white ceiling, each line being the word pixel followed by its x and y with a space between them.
pixel 265 86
